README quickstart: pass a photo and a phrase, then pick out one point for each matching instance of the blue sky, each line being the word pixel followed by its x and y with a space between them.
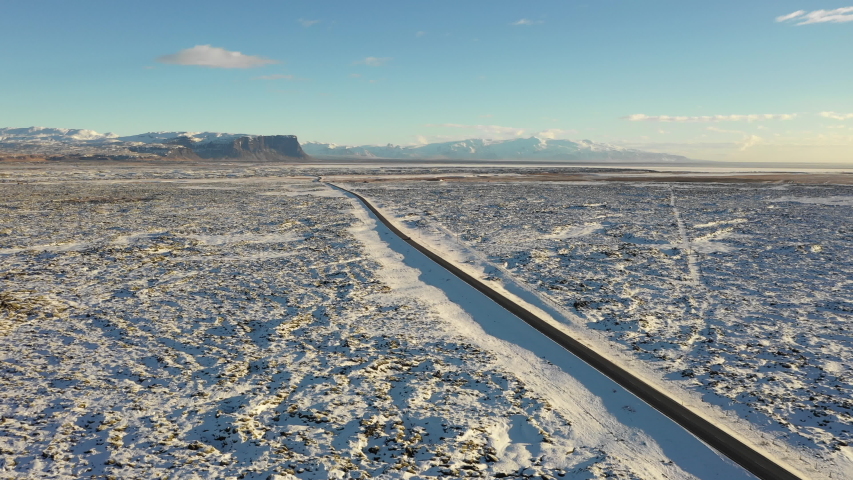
pixel 726 80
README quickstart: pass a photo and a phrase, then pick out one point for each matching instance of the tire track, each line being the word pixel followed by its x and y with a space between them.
pixel 694 273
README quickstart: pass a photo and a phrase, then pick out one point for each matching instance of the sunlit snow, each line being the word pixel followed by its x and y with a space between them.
pixel 253 322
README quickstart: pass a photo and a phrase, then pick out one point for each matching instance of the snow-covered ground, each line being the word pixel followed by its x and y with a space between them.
pixel 741 294
pixel 233 323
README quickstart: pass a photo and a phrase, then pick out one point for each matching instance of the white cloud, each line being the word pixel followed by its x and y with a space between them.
pixel 496 132
pixel 425 139
pixel 837 116
pixel 214 57
pixel 639 117
pixel 307 23
pixel 839 15
pixel 750 141
pixel 793 146
pixel 420 34
pixel 374 61
pixel 526 21
pixel 789 16
pixel 278 76
pixel 722 130
pixel 354 75
pixel 555 133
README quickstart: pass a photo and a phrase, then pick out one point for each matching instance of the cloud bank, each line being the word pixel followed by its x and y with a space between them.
pixel 750 141
pixel 839 15
pixel 639 117
pixel 555 133
pixel 837 116
pixel 487 131
pixel 214 57
pixel 498 132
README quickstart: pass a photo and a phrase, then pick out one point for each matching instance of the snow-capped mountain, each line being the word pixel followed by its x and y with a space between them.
pixel 44 140
pixel 66 141
pixel 53 135
pixel 74 135
pixel 532 148
pixel 169 137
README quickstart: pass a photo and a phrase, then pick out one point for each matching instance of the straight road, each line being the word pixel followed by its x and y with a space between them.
pixel 739 452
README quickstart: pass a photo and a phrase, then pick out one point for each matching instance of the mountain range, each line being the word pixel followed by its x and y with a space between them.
pixel 78 143
pixel 532 148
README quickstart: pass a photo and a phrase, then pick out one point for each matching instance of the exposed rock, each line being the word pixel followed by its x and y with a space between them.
pixel 272 148
pixel 169 151
pixel 256 149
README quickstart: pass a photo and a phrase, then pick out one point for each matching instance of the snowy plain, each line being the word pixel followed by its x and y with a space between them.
pixel 731 295
pixel 246 322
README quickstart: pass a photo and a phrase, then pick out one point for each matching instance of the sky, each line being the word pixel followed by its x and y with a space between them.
pixel 758 80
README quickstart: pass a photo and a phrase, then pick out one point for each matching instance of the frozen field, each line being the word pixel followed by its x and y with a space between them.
pixel 248 327
pixel 741 293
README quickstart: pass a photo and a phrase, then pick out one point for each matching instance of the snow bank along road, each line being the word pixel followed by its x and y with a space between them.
pixel 744 454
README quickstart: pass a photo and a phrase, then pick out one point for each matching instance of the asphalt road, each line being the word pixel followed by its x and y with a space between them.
pixel 739 452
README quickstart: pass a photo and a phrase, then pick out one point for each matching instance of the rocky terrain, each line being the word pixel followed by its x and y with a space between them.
pixel 222 325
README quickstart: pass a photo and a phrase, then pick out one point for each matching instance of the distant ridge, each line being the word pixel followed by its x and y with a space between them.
pixel 65 143
pixel 532 148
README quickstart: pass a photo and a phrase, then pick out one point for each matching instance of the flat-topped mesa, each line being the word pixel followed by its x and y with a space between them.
pixel 261 148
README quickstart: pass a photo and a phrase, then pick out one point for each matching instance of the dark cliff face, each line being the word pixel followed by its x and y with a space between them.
pixel 257 149
pixel 172 150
